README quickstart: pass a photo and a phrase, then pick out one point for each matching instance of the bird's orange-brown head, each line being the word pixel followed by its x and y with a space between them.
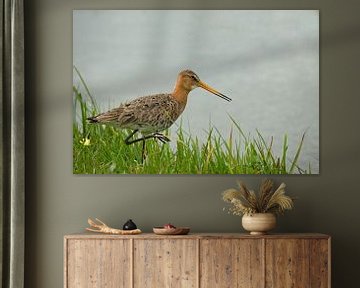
pixel 188 80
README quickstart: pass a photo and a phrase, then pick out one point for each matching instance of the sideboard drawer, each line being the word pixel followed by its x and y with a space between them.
pixel 231 263
pixel 297 263
pixel 98 263
pixel 165 263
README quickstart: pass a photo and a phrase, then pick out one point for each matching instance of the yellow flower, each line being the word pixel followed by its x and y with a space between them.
pixel 85 141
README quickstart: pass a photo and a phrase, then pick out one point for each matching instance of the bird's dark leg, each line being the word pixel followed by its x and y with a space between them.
pixel 127 140
pixel 158 136
pixel 143 151
pixel 161 137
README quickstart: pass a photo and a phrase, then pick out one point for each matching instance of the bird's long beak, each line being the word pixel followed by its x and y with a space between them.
pixel 212 90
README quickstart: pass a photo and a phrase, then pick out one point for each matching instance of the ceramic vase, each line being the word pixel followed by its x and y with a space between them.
pixel 259 223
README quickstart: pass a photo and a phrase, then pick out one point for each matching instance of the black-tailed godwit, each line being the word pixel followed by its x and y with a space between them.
pixel 152 114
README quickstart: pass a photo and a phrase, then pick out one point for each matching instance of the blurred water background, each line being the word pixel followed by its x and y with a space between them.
pixel 266 61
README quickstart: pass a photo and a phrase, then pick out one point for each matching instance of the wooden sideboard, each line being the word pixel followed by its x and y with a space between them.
pixel 197 260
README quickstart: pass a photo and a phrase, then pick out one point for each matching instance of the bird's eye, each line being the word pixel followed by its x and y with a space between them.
pixel 194 77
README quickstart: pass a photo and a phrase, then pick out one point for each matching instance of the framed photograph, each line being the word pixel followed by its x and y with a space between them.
pixel 196 92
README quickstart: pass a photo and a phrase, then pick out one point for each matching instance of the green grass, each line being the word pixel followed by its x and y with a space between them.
pixel 100 149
